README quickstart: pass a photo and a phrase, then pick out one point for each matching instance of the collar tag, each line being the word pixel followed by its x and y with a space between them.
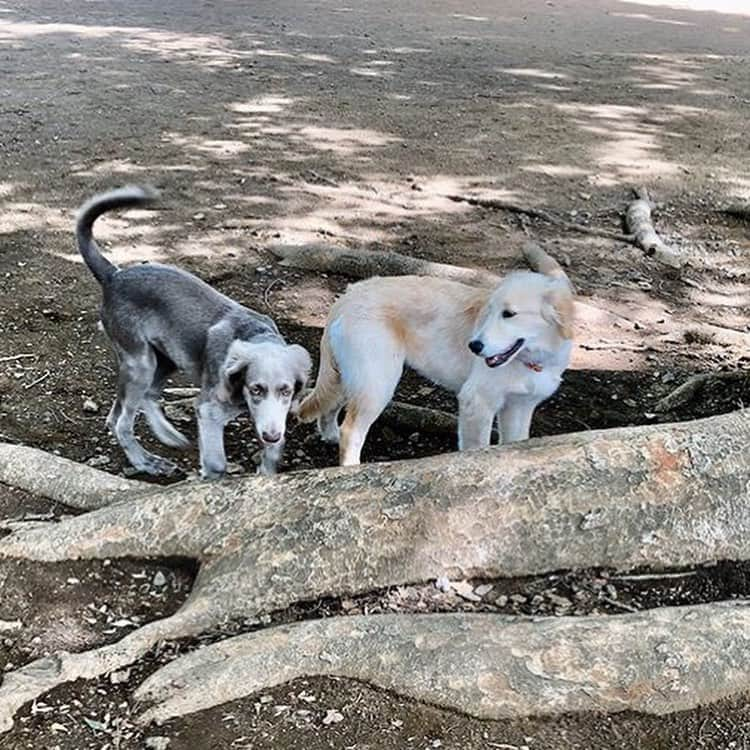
pixel 535 366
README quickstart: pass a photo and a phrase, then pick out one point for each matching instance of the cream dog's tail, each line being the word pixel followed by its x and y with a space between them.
pixel 544 263
pixel 327 394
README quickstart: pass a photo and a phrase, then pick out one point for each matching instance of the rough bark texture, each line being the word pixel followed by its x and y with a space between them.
pixel 638 221
pixel 666 495
pixel 489 666
pixel 61 480
pixel 361 264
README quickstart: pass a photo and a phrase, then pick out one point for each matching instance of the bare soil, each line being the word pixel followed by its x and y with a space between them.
pixel 280 122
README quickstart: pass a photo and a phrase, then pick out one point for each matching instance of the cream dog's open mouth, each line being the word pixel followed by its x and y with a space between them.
pixel 503 357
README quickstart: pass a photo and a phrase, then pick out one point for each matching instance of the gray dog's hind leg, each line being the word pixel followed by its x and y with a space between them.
pixel 136 376
pixel 162 428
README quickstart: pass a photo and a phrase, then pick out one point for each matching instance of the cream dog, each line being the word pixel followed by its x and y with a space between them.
pixel 502 351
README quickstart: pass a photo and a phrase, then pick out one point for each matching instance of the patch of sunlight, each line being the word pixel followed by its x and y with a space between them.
pixel 125 167
pixel 648 17
pixel 407 50
pixel 552 87
pixel 464 17
pixel 22 216
pixel 6 188
pixel 345 140
pixel 399 97
pixel 273 53
pixel 124 255
pixel 267 104
pixel 317 58
pixel 218 148
pixel 366 72
pixel 214 243
pixel 737 7
pixel 533 73
pixel 209 49
pixel 556 170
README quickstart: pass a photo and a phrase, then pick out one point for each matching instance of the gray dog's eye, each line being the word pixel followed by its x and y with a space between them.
pixel 285 391
pixel 257 391
pixel 508 313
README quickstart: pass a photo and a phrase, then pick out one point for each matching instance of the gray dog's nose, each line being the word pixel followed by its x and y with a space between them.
pixel 476 346
pixel 271 437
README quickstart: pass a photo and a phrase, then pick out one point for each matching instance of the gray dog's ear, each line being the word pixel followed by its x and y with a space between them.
pixel 232 373
pixel 301 364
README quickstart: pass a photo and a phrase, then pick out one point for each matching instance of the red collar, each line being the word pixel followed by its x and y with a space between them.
pixel 535 366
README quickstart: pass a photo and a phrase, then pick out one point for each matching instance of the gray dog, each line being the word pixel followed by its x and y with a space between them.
pixel 161 319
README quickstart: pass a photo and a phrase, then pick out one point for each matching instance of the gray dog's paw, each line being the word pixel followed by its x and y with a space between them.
pixel 157 466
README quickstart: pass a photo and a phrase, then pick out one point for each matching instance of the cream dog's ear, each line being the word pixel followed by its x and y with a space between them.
pixel 559 308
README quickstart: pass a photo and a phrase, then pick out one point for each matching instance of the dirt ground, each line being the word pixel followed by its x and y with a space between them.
pixel 280 122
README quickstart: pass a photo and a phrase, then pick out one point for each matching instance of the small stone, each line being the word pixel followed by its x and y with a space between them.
pixel 116 678
pixel 483 590
pixel 159 579
pixel 199 216
pixel 518 599
pixel 465 590
pixel 157 743
pixel 332 717
pixel 90 406
pixel 98 461
pixel 501 600
pixel 72 581
pixel 442 583
pixel 9 626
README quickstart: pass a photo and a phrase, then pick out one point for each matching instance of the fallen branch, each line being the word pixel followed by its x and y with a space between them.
pixel 489 666
pixel 687 392
pixel 638 222
pixel 538 213
pixel 662 496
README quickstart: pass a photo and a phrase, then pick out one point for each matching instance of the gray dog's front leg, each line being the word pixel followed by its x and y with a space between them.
pixel 270 458
pixel 211 421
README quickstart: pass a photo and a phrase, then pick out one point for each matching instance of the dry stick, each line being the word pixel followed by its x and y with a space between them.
pixel 652 576
pixel 17 356
pixel 538 213
pixel 40 379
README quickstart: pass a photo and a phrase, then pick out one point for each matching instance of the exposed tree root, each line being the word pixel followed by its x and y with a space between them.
pixel 61 480
pixel 638 221
pixel 687 392
pixel 489 666
pixel 659 496
pixel 361 264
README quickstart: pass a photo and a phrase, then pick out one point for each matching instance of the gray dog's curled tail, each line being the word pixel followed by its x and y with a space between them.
pixel 126 197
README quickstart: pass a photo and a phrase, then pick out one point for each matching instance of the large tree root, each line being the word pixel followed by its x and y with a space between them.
pixel 60 479
pixel 489 666
pixel 361 264
pixel 660 495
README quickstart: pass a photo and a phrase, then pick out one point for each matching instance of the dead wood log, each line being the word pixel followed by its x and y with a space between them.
pixel 486 665
pixel 660 496
pixel 539 213
pixel 688 391
pixel 638 222
pixel 60 479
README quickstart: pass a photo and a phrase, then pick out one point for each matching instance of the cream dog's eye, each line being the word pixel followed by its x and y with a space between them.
pixel 508 313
